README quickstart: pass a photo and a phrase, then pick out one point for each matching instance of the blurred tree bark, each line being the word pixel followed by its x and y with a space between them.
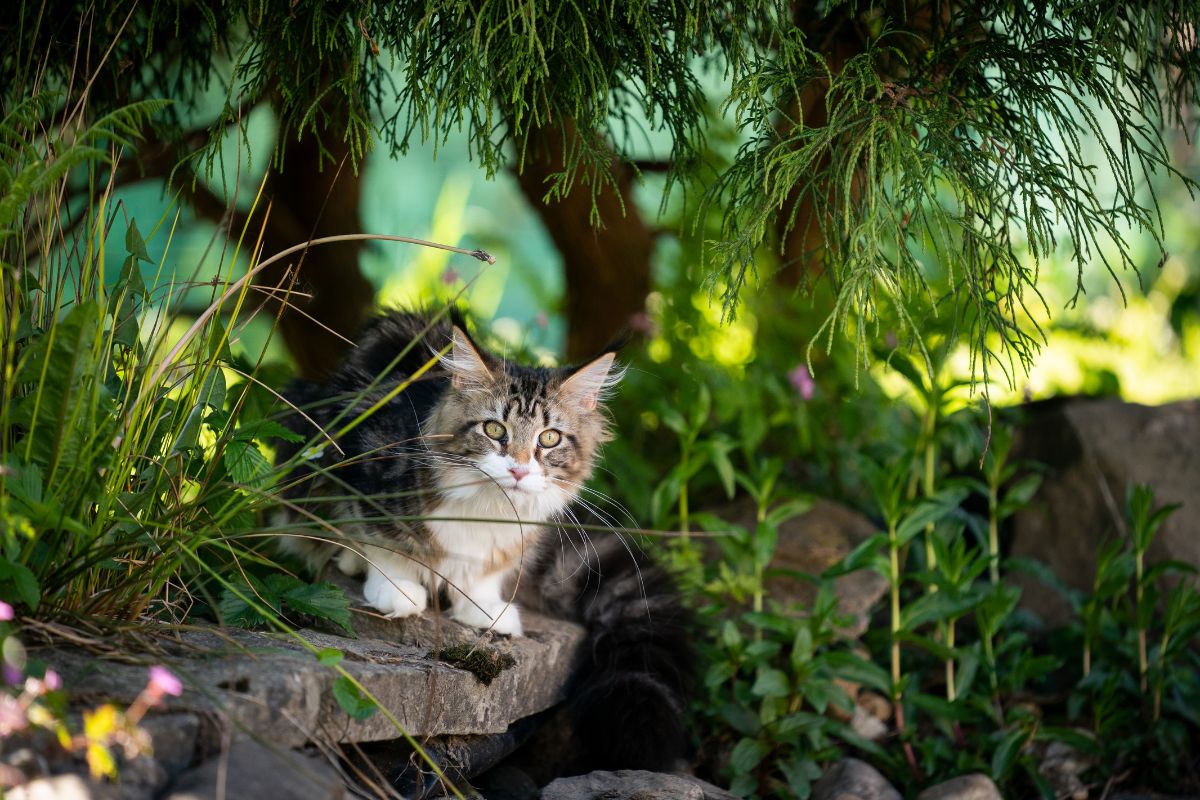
pixel 317 194
pixel 607 268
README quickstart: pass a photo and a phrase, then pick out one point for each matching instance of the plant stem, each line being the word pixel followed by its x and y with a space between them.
pixel 683 491
pixel 1139 590
pixel 993 536
pixel 951 692
pixel 1158 680
pixel 894 580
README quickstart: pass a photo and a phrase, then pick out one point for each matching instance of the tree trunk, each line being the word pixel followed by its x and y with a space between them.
pixel 307 201
pixel 607 269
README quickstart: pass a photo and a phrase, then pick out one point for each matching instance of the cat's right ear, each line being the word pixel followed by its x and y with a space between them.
pixel 466 365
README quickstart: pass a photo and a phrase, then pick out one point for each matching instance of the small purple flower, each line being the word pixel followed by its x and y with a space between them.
pixel 891 340
pixel 450 277
pixel 13 675
pixel 163 681
pixel 643 323
pixel 6 611
pixel 802 382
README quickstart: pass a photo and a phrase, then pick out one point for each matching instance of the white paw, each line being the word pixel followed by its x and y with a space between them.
pixel 500 617
pixel 395 597
pixel 350 562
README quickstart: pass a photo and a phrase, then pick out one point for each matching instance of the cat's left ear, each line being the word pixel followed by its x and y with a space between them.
pixel 592 382
pixel 466 364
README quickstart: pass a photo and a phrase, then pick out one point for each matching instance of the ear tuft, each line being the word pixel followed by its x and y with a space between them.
pixel 465 363
pixel 593 382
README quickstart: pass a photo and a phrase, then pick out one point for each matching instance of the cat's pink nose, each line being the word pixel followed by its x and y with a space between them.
pixel 518 472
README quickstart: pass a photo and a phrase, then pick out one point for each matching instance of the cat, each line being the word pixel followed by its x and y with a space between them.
pixel 491 452
pixel 483 450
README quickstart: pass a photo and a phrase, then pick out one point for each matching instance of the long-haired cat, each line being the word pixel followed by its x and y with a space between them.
pixel 450 483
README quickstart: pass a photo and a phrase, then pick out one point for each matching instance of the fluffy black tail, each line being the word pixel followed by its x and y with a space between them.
pixel 628 703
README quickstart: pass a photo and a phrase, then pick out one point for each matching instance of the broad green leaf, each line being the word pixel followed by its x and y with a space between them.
pixel 771 683
pixel 135 245
pixel 853 667
pixel 351 700
pixel 321 600
pixel 245 463
pixel 1007 752
pixel 330 656
pixel 747 755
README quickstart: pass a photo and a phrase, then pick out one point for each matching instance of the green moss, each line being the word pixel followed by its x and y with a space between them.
pixel 484 664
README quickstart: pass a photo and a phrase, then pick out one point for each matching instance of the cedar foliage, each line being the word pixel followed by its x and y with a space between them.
pixel 953 137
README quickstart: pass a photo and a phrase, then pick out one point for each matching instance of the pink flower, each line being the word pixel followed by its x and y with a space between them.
pixel 802 382
pixel 891 340
pixel 52 680
pixel 542 320
pixel 450 277
pixel 163 681
pixel 12 715
pixel 643 323
pixel 6 611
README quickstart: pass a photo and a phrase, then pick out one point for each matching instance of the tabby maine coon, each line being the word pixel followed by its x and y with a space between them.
pixel 494 453
pixel 485 451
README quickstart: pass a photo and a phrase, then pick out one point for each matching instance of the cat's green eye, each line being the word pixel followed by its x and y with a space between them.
pixel 495 430
pixel 549 438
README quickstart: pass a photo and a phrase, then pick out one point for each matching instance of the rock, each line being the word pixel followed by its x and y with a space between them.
pixel 1095 449
pixel 633 784
pixel 250 770
pixel 62 787
pixel 965 787
pixel 867 725
pixel 851 779
pixel 1063 767
pixel 810 544
pixel 271 687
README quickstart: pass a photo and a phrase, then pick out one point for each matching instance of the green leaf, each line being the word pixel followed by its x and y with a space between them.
pixel 351 700
pixel 866 554
pixel 268 429
pixel 245 463
pixel 1006 753
pixel 24 582
pixel 135 245
pixel 852 667
pixel 800 772
pixel 212 391
pixel 771 683
pixel 747 755
pixel 930 511
pixel 218 342
pixel 802 648
pixel 321 600
pixel 719 455
pixel 330 656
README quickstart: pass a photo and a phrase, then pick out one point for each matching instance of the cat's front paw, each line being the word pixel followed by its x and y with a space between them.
pixel 395 597
pixel 501 618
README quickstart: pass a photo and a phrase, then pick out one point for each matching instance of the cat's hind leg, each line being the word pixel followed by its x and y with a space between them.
pixel 393 583
pixel 480 604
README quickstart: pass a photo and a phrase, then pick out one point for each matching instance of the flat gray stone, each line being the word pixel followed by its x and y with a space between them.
pixel 250 770
pixel 851 779
pixel 976 786
pixel 273 688
pixel 633 784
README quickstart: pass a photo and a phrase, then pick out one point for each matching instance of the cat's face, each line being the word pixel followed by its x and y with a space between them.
pixel 519 439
